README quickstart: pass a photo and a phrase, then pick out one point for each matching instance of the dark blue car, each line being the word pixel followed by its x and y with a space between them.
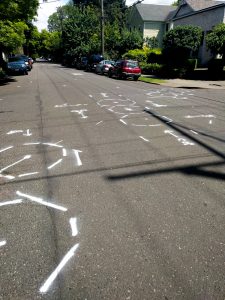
pixel 17 65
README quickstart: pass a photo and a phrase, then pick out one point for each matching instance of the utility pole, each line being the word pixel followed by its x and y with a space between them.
pixel 102 29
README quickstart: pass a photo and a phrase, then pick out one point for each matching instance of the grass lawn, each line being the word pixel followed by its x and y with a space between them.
pixel 151 80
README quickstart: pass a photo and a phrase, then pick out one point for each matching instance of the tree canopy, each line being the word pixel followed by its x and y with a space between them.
pixel 215 40
pixel 15 17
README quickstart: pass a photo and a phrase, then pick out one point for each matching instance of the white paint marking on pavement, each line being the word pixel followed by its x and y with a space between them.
pixel 15 163
pixel 73 224
pixel 104 95
pixel 45 287
pixel 28 133
pixel 81 113
pixel 14 131
pixel 184 141
pixel 76 152
pixel 122 121
pixel 194 131
pixel 99 123
pixel 144 139
pixel 41 201
pixel 28 174
pixel 59 142
pixel 54 164
pixel 16 201
pixel 77 74
pixel 10 177
pixel 18 86
pixel 210 122
pixel 2 243
pixel 34 143
pixel 53 145
pixel 200 116
pixel 90 96
pixel 5 149
pixel 64 152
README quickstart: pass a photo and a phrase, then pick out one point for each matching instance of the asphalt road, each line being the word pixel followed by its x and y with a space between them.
pixel 110 189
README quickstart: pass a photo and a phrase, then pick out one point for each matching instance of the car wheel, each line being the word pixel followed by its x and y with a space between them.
pixel 136 78
pixel 110 74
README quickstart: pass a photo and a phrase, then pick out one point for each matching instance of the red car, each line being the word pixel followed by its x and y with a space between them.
pixel 123 69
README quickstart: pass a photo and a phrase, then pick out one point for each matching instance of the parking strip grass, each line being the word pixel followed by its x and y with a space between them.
pixel 151 80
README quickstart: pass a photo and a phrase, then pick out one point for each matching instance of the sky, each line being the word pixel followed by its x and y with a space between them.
pixel 48 8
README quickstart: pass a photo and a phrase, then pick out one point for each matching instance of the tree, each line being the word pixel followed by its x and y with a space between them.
pixel 215 40
pixel 14 18
pixel 181 43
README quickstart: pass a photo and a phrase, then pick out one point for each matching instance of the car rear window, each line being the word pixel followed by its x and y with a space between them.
pixel 132 64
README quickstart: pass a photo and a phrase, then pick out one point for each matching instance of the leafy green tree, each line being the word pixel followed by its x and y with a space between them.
pixel 14 18
pixel 182 42
pixel 215 40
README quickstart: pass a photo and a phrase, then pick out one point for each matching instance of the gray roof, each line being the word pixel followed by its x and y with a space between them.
pixel 202 4
pixel 152 12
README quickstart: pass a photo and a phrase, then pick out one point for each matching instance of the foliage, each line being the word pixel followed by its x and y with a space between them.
pixel 180 42
pixel 11 35
pixel 152 68
pixel 216 40
pixel 137 54
pixel 151 42
pixel 18 10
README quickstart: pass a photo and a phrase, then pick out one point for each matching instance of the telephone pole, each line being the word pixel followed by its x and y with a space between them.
pixel 102 29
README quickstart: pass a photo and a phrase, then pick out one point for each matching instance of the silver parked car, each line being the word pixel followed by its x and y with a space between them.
pixel 103 66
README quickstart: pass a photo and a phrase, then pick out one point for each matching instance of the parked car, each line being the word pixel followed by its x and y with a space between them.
pixel 16 64
pixel 103 66
pixel 81 63
pixel 123 69
pixel 28 61
pixel 93 60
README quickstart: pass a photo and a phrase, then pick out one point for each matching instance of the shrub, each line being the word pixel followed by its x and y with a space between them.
pixel 150 69
pixel 136 54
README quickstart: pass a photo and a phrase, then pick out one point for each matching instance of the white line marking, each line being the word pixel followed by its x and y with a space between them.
pixel 184 141
pixel 81 112
pixel 77 74
pixel 55 163
pixel 76 152
pixel 193 131
pixel 44 288
pixel 53 145
pixel 14 131
pixel 7 176
pixel 15 163
pixel 35 143
pixel 210 121
pixel 64 152
pixel 59 142
pixel 2 243
pixel 28 133
pixel 2 150
pixel 200 116
pixel 27 174
pixel 90 96
pixel 104 95
pixel 144 139
pixel 99 123
pixel 122 121
pixel 73 224
pixel 16 201
pixel 41 201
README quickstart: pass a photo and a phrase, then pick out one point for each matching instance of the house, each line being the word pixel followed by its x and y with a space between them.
pixel 150 20
pixel 203 13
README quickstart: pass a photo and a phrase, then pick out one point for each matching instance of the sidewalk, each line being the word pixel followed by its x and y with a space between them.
pixel 195 84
